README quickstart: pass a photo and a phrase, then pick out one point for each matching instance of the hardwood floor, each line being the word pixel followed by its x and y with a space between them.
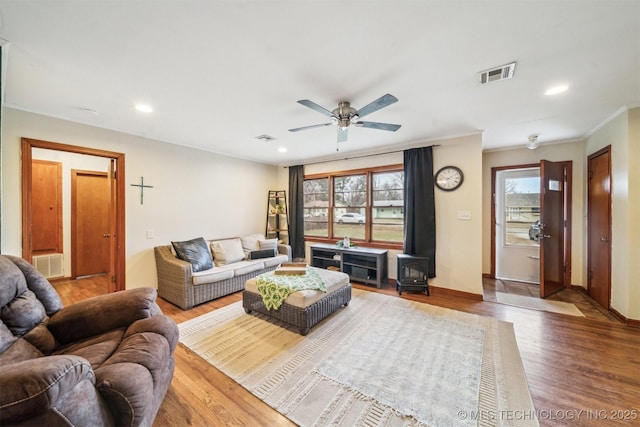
pixel 587 305
pixel 581 371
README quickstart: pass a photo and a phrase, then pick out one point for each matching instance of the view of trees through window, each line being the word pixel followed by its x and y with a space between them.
pixel 364 206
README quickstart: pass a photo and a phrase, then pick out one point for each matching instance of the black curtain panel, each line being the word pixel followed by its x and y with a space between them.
pixel 419 205
pixel 296 211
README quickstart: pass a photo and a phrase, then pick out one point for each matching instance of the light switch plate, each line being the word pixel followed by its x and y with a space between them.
pixel 464 215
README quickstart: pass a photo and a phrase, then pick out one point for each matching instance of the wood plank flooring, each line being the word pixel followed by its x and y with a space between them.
pixel 581 371
pixel 587 305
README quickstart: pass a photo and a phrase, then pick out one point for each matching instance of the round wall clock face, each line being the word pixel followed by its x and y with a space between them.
pixel 449 178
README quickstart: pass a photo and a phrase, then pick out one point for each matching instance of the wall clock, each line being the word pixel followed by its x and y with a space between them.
pixel 449 178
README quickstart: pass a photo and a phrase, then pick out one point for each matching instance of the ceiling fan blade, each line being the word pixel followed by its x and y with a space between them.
pixel 310 127
pixel 379 103
pixel 380 126
pixel 316 107
pixel 342 134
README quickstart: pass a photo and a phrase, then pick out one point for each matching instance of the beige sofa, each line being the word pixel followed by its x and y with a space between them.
pixel 233 264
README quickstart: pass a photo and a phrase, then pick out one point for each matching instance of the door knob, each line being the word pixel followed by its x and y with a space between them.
pixel 543 236
pixel 106 235
pixel 604 239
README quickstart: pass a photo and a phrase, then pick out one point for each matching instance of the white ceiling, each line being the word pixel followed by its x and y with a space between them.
pixel 220 73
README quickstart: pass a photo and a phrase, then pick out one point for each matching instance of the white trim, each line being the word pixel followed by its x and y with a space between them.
pixel 606 121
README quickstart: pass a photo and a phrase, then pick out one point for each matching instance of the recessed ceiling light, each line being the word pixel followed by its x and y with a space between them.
pixel 282 150
pixel 144 108
pixel 556 90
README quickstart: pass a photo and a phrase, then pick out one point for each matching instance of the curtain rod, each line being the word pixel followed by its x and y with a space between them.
pixel 360 157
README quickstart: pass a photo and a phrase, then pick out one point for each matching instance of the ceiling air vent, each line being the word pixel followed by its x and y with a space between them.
pixel 265 138
pixel 498 73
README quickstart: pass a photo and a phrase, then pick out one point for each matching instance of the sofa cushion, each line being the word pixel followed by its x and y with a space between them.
pixel 195 252
pixel 212 275
pixel 250 242
pixel 244 267
pixel 273 261
pixel 269 244
pixel 227 251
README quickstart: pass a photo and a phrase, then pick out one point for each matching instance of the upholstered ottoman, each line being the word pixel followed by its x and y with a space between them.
pixel 303 309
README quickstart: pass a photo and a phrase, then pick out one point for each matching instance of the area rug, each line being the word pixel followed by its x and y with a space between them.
pixel 381 361
pixel 538 304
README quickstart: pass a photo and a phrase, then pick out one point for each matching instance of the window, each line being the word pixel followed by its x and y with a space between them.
pixel 521 207
pixel 349 206
pixel 316 207
pixel 388 206
pixel 366 205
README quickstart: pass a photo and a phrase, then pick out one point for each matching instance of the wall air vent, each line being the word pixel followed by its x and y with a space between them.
pixel 49 265
pixel 502 72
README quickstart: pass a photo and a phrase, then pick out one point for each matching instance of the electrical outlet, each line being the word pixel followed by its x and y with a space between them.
pixel 151 234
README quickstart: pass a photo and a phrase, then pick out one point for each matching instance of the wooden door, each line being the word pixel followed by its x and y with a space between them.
pixel 599 227
pixel 552 227
pixel 90 228
pixel 46 189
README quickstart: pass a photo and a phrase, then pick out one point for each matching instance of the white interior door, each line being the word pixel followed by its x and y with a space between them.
pixel 517 209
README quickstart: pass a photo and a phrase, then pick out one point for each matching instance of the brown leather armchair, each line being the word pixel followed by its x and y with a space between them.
pixel 106 361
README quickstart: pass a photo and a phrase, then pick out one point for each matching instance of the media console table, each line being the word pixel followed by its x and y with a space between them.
pixel 366 265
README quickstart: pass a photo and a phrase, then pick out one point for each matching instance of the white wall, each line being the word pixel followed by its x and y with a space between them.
pixel 623 134
pixel 458 242
pixel 570 151
pixel 195 193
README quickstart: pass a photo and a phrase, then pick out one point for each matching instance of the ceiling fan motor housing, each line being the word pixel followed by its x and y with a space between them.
pixel 345 114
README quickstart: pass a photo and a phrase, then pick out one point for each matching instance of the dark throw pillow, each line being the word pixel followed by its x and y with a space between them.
pixel 265 253
pixel 196 252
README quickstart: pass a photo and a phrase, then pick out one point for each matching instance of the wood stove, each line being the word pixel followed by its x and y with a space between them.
pixel 413 273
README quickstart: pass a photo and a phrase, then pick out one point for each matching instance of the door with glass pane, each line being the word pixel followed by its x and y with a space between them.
pixel 517 219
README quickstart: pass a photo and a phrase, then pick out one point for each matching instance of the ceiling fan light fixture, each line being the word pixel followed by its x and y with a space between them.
pixel 533 142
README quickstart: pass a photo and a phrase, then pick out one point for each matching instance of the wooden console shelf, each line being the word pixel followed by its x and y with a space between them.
pixel 366 265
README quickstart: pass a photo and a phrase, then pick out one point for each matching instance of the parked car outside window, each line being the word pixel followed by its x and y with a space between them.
pixel 534 231
pixel 351 218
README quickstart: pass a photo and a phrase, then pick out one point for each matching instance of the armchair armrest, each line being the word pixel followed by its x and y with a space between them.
pixel 175 282
pixel 43 388
pixel 103 313
pixel 284 250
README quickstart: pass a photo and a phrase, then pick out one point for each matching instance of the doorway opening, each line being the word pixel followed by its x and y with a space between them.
pixel 517 219
pixel 531 228
pixel 116 176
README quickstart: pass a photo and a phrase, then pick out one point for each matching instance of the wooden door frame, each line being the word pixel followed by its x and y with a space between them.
pixel 28 144
pixel 591 156
pixel 568 209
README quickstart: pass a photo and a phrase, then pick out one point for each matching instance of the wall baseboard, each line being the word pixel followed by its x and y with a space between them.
pixel 632 323
pixel 454 292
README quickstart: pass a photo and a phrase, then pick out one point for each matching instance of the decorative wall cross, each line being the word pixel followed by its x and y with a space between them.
pixel 142 187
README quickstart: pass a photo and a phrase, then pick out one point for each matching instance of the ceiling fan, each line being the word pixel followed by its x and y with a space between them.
pixel 345 115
